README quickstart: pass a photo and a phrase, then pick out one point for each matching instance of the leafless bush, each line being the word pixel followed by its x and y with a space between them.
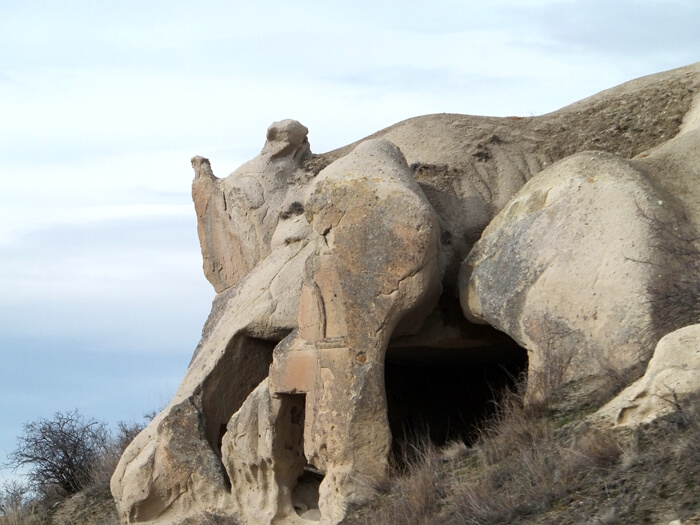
pixel 557 354
pixel 69 453
pixel 675 292
pixel 59 452
pixel 687 417
pixel 13 496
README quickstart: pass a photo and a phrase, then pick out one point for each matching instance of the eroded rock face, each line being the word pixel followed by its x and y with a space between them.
pixel 340 275
pixel 237 216
pixel 375 274
pixel 155 480
pixel 589 263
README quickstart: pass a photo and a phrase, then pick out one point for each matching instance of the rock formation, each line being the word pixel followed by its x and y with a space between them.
pixel 673 372
pixel 398 283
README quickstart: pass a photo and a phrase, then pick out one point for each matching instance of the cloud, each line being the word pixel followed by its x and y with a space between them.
pixel 623 28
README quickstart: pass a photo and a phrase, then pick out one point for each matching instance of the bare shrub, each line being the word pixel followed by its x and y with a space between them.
pixel 13 495
pixel 59 452
pixel 555 359
pixel 687 417
pixel 675 293
pixel 69 453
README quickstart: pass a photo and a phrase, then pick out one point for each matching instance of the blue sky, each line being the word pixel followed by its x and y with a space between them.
pixel 102 104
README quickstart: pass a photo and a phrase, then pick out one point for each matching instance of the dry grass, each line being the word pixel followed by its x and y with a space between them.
pixel 526 469
pixel 101 469
pixel 415 493
pixel 520 465
pixel 15 506
pixel 213 519
pixel 24 517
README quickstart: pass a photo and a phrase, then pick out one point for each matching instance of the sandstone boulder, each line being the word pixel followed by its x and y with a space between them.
pixel 565 267
pixel 587 265
pixel 672 374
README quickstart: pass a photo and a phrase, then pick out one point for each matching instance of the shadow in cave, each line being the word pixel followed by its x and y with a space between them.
pixel 447 393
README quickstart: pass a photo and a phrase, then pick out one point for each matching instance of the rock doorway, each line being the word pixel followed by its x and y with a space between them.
pixel 306 480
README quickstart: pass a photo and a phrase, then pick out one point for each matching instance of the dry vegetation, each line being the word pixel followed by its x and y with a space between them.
pixel 69 461
pixel 534 462
pixel 527 467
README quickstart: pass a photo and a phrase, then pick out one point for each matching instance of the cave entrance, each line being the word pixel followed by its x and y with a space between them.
pixel 447 392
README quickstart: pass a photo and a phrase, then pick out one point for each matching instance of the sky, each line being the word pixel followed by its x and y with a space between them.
pixel 102 105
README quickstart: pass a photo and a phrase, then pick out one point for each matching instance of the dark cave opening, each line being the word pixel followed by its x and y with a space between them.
pixel 447 393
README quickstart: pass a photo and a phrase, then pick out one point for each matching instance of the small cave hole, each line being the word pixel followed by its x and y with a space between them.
pixel 306 493
pixel 290 429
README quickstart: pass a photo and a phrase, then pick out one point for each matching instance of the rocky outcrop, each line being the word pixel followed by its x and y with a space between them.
pixel 568 268
pixel 673 373
pixel 173 470
pixel 375 274
pixel 237 217
pixel 398 283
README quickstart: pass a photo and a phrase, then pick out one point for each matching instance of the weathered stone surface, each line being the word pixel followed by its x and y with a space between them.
pixel 672 374
pixel 337 275
pixel 365 292
pixel 237 216
pixel 263 453
pixel 470 166
pixel 566 267
pixel 233 356
pixel 375 274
